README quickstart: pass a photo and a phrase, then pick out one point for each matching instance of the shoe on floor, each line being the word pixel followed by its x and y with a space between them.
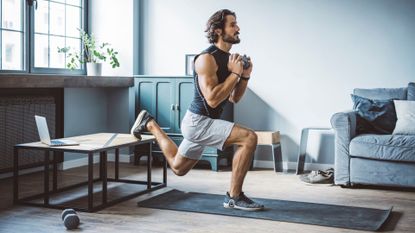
pixel 318 177
pixel 329 171
pixel 241 202
pixel 140 123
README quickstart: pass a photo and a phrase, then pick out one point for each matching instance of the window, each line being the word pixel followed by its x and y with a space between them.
pixel 12 34
pixel 51 23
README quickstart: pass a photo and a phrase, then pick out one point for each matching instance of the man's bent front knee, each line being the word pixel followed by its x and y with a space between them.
pixel 251 139
pixel 182 165
pixel 179 172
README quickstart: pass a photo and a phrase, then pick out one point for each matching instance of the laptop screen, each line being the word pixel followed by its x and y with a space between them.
pixel 42 128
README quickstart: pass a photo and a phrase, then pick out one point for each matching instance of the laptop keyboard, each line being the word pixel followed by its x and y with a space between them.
pixel 57 142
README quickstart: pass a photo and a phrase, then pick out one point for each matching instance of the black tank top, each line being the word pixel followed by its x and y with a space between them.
pixel 199 104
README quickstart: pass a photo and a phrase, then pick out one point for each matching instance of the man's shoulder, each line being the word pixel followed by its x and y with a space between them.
pixel 206 60
pixel 206 56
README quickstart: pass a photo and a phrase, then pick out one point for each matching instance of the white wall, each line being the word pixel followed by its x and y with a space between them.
pixel 308 55
pixel 96 110
pixel 112 22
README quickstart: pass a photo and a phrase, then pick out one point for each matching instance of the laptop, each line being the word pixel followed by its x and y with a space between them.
pixel 43 130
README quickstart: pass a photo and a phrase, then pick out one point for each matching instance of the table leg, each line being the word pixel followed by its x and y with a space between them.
pixel 15 176
pixel 303 148
pixel 277 156
pixel 302 151
pixel 46 179
pixel 117 160
pixel 100 165
pixel 104 177
pixel 90 181
pixel 149 161
pixel 165 171
pixel 55 172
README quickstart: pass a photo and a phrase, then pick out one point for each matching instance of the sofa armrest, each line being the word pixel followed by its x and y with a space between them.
pixel 344 125
pixel 344 122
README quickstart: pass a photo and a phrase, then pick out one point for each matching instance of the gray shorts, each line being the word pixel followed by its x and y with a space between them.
pixel 201 131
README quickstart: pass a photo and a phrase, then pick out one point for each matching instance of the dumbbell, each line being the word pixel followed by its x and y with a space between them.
pixel 70 219
pixel 245 62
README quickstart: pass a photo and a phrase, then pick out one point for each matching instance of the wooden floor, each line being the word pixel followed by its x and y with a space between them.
pixel 127 217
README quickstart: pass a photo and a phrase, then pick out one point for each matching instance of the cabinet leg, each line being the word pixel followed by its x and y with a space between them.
pixel 214 164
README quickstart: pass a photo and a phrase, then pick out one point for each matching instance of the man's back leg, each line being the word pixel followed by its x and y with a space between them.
pixel 179 164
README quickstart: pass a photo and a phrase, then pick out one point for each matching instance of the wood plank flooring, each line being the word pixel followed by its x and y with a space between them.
pixel 127 217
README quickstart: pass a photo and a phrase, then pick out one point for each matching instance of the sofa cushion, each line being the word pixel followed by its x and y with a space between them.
pixel 382 93
pixel 411 91
pixel 405 112
pixel 384 147
pixel 374 116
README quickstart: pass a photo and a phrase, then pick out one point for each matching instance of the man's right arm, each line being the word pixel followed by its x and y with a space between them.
pixel 213 92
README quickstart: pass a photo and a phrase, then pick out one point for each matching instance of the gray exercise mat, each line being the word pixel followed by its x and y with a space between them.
pixel 277 210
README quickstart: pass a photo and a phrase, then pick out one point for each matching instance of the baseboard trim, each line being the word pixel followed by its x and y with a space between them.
pixel 292 165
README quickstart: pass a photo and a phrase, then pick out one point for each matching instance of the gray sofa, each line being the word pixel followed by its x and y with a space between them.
pixel 371 159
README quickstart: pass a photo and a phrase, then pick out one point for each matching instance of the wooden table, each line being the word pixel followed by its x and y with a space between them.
pixel 89 144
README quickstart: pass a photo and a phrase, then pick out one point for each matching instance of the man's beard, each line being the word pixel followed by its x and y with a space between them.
pixel 231 39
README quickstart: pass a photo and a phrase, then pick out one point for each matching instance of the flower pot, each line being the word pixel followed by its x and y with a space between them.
pixel 93 69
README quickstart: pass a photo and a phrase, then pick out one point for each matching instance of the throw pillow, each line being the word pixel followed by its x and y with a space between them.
pixel 405 111
pixel 374 116
pixel 411 91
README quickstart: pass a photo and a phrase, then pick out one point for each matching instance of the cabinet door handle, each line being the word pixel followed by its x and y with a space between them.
pixel 177 107
pixel 172 107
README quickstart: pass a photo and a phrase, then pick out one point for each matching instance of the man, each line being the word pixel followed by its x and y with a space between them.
pixel 219 77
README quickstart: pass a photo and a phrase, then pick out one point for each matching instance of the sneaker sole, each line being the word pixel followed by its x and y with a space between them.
pixel 137 121
pixel 227 206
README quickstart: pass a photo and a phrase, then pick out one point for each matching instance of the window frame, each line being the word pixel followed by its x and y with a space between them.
pixel 29 48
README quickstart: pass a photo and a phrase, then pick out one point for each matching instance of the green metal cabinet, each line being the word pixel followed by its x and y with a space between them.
pixel 157 96
pixel 185 91
pixel 167 98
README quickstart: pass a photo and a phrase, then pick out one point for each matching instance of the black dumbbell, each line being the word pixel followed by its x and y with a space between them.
pixel 245 62
pixel 70 219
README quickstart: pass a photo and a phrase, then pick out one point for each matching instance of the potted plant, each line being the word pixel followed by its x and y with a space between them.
pixel 92 54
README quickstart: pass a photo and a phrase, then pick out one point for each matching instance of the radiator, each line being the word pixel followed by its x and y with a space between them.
pixel 17 125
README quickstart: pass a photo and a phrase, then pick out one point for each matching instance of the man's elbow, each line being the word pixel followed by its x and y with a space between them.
pixel 212 103
pixel 233 99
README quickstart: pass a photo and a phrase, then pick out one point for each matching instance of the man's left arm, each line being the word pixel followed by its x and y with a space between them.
pixel 241 86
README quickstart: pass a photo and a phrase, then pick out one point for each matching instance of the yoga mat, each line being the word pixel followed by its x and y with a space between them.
pixel 277 210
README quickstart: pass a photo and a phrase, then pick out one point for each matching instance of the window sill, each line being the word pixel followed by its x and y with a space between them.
pixel 63 81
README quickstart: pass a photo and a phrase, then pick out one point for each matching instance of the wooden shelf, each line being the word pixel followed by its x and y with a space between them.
pixel 63 81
